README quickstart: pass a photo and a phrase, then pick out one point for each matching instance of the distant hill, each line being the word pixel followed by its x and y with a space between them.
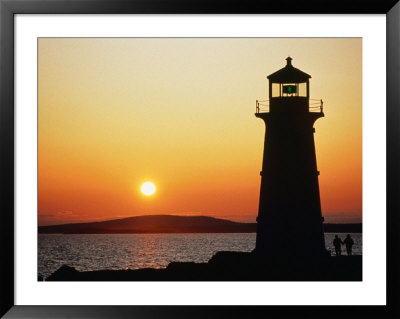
pixel 171 224
pixel 154 224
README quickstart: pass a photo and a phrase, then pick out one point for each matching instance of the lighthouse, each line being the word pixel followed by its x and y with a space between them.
pixel 289 221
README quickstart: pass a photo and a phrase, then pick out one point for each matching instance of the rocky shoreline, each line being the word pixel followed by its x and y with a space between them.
pixel 231 266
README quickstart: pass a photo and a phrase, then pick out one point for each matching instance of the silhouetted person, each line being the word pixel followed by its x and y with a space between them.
pixel 349 244
pixel 337 242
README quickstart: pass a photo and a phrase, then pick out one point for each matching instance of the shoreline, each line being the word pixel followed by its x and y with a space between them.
pixel 231 266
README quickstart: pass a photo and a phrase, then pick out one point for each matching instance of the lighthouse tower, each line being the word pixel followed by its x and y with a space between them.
pixel 289 217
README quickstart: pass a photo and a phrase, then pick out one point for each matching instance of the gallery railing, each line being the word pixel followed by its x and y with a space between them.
pixel 314 106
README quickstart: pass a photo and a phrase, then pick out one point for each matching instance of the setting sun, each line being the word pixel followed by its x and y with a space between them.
pixel 148 188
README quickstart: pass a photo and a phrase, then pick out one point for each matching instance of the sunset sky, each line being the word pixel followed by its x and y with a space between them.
pixel 179 112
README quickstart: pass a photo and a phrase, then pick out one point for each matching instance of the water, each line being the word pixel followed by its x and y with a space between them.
pixel 133 251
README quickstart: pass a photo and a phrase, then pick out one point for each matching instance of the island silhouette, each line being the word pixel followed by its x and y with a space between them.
pixel 151 224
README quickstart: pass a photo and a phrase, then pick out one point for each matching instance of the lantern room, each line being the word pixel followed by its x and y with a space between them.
pixel 289 89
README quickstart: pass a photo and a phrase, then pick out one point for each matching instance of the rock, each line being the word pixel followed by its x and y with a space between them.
pixel 65 273
pixel 232 266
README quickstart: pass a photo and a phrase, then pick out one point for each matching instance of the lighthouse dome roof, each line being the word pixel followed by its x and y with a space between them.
pixel 289 74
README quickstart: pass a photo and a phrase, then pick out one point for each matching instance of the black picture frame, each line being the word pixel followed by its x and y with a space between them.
pixel 8 8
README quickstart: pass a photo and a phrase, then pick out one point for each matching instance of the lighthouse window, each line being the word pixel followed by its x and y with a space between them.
pixel 276 89
pixel 289 89
pixel 302 89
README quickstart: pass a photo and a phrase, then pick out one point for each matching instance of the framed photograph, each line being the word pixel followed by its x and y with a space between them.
pixel 191 160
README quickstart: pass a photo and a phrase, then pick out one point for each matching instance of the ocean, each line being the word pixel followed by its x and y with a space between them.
pixel 88 252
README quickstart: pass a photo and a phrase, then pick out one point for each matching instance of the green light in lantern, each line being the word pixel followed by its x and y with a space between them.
pixel 289 89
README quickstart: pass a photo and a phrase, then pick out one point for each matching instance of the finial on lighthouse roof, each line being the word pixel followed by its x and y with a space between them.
pixel 289 60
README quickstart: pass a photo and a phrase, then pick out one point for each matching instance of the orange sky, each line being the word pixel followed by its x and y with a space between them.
pixel 114 113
